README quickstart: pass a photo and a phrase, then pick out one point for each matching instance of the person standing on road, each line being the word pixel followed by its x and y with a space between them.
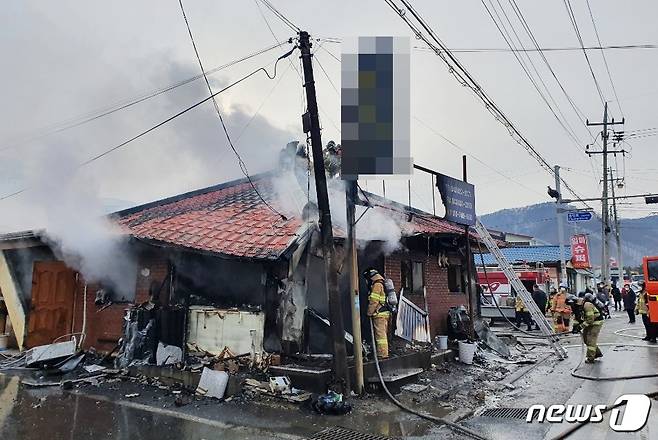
pixel 642 309
pixel 603 296
pixel 522 314
pixel 616 295
pixel 629 303
pixel 560 310
pixel 591 323
pixel 540 298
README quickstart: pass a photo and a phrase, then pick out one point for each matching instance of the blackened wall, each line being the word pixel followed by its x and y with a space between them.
pixel 222 282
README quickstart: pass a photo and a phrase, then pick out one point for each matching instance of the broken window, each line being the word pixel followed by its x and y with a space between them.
pixel 456 278
pixel 413 276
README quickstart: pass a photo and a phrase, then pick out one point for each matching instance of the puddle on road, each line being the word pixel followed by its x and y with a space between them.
pixel 27 413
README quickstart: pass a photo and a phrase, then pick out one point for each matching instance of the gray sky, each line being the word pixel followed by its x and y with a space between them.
pixel 66 59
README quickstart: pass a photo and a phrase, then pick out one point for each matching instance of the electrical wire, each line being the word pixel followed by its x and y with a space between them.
pixel 282 17
pixel 126 103
pixel 574 24
pixel 453 144
pixel 510 43
pixel 507 49
pixel 467 80
pixel 160 124
pixel 241 163
pixel 605 60
pixel 579 113
pixel 333 86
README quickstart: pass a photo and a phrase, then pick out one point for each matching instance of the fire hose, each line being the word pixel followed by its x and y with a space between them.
pixel 574 373
pixel 454 426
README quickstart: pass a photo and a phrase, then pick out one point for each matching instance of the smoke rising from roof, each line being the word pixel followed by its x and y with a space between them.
pixel 295 187
pixel 67 202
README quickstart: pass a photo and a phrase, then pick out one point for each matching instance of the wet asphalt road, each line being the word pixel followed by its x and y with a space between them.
pixel 551 383
pixel 94 413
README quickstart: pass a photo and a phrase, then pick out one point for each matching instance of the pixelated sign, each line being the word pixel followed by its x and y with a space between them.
pixel 458 198
pixel 375 102
pixel 580 252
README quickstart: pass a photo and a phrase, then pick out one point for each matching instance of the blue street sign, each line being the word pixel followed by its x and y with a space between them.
pixel 579 216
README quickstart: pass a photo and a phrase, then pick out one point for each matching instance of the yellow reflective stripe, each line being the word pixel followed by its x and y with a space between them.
pixel 382 314
pixel 377 297
pixel 382 341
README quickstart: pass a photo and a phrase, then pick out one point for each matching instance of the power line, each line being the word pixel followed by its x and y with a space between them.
pixel 466 79
pixel 508 39
pixel 507 49
pixel 298 70
pixel 327 75
pixel 243 166
pixel 458 147
pixel 126 103
pixel 574 23
pixel 605 61
pixel 160 124
pixel 577 111
pixel 282 17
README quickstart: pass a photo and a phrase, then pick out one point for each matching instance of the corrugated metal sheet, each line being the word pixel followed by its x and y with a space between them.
pixel 529 254
pixel 412 322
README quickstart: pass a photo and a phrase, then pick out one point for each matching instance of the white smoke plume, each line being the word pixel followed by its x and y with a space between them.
pixel 70 203
pixel 291 189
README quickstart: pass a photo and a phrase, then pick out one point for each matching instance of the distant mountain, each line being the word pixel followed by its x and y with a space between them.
pixel 638 236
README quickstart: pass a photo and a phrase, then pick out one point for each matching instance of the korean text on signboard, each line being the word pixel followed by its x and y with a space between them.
pixel 458 198
pixel 580 252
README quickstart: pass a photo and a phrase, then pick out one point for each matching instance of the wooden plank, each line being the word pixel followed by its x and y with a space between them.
pixel 12 301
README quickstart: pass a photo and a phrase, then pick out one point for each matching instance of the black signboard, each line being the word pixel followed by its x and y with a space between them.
pixel 458 198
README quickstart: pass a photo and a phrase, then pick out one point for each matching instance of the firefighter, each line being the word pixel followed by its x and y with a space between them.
pixel 522 314
pixel 641 308
pixel 560 310
pixel 378 310
pixel 592 321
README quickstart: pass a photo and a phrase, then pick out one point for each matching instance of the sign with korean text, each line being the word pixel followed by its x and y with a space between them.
pixel 458 198
pixel 579 216
pixel 580 252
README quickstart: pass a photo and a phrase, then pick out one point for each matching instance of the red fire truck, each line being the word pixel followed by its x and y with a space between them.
pixel 496 286
pixel 650 268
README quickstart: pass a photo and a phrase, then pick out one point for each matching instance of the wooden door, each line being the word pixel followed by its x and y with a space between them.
pixel 53 295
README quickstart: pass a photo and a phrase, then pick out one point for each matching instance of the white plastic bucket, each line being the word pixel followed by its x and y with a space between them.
pixel 442 342
pixel 4 341
pixel 466 352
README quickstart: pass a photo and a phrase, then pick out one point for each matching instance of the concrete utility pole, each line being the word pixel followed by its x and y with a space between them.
pixel 620 263
pixel 560 225
pixel 311 123
pixel 350 200
pixel 605 214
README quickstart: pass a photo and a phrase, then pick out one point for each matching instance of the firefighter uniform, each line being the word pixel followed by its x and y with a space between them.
pixel 642 309
pixel 561 311
pixel 522 314
pixel 591 325
pixel 379 312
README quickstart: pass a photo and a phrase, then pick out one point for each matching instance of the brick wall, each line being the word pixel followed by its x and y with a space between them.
pixel 439 298
pixel 104 328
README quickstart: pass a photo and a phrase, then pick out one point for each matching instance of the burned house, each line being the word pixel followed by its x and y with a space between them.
pixel 219 268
